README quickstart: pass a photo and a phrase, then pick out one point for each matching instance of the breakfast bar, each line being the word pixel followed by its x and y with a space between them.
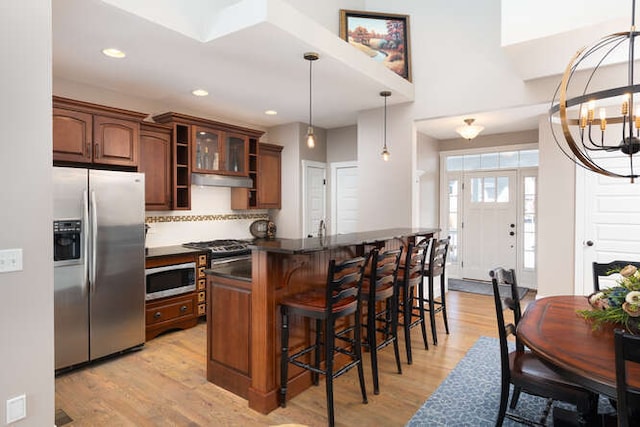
pixel 243 353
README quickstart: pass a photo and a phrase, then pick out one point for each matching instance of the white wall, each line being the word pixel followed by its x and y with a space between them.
pixel 428 163
pixel 342 144
pixel 556 213
pixel 288 219
pixel 385 187
pixel 26 297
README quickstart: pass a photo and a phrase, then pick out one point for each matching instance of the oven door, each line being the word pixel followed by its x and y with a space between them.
pixel 170 280
pixel 218 261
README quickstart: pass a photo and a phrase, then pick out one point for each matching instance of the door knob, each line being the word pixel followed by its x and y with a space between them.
pixel 589 243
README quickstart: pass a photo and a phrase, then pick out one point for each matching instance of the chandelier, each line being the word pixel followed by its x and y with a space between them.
pixel 469 131
pixel 607 142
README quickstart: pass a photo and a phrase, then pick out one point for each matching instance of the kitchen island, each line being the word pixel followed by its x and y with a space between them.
pixel 243 353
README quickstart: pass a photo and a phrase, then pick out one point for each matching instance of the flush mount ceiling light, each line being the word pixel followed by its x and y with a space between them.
pixel 114 53
pixel 469 131
pixel 311 139
pixel 385 151
pixel 199 92
pixel 574 105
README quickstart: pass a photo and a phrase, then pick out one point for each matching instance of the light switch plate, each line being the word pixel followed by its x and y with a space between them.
pixel 16 408
pixel 10 260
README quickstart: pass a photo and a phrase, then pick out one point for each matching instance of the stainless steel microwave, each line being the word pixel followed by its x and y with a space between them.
pixel 170 280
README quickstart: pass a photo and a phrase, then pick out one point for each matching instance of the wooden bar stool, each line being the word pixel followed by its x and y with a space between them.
pixel 380 287
pixel 410 281
pixel 340 298
pixel 435 268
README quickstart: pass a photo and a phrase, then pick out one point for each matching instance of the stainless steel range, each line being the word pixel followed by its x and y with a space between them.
pixel 223 251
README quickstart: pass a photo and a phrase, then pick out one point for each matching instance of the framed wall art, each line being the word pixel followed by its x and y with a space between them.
pixel 382 36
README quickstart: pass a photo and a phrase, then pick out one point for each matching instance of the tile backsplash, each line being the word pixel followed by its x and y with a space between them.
pixel 210 218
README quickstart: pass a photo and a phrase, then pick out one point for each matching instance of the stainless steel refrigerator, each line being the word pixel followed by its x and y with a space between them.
pixel 98 249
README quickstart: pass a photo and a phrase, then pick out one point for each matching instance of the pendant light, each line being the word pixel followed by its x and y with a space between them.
pixel 385 151
pixel 311 139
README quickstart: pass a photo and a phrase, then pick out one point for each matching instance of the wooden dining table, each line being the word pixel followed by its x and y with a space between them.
pixel 568 343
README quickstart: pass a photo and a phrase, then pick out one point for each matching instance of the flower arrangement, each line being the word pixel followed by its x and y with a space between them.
pixel 617 304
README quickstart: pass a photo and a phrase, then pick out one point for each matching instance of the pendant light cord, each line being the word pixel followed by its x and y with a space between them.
pixel 310 93
pixel 385 122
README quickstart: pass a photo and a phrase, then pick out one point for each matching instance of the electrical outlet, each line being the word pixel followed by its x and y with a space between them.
pixel 10 260
pixel 16 408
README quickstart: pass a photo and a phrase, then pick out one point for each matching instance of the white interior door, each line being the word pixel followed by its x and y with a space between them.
pixel 315 196
pixel 611 226
pixel 344 178
pixel 490 221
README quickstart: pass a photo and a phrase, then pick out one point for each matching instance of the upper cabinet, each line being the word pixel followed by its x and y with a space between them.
pixel 215 147
pixel 219 152
pixel 155 163
pixel 265 171
pixel 94 134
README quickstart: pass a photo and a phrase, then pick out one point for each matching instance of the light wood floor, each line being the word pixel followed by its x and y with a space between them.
pixel 164 384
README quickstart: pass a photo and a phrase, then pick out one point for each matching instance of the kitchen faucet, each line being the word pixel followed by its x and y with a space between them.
pixel 322 228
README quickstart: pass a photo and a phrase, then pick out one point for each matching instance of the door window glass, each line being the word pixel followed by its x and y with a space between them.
pixel 503 189
pixel 529 229
pixel 453 219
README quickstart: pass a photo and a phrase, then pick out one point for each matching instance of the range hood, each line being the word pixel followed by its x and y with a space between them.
pixel 213 180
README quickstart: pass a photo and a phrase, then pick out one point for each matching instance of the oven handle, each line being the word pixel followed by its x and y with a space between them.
pixel 221 261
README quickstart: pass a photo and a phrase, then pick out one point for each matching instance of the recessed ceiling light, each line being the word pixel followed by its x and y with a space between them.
pixel 114 53
pixel 271 112
pixel 200 92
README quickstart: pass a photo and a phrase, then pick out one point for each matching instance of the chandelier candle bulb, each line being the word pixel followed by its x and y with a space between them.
pixel 583 117
pixel 625 106
pixel 591 111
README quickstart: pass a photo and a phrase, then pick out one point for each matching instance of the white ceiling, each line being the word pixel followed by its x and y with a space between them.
pixel 247 66
pixel 249 55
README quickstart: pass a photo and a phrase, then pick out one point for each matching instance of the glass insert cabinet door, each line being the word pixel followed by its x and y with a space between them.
pixel 220 152
pixel 207 153
pixel 236 158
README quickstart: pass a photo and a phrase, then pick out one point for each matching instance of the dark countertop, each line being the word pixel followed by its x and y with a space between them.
pixel 170 250
pixel 313 244
pixel 237 270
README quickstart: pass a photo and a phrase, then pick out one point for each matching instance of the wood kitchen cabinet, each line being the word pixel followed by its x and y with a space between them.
pixel 155 163
pixel 265 169
pixel 95 134
pixel 219 152
pixel 229 334
pixel 178 311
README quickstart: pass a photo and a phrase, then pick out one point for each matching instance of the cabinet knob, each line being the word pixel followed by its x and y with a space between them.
pixel 157 315
pixel 183 309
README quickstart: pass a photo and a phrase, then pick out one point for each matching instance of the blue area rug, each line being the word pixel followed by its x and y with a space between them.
pixel 470 395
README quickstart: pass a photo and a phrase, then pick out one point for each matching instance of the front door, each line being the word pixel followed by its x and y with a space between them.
pixel 489 225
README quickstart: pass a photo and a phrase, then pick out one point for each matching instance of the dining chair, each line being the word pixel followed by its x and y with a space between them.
pixel 524 369
pixel 628 405
pixel 380 293
pixel 607 269
pixel 411 286
pixel 340 298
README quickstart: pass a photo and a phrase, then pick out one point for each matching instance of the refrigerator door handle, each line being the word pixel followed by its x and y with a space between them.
pixel 85 232
pixel 94 240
